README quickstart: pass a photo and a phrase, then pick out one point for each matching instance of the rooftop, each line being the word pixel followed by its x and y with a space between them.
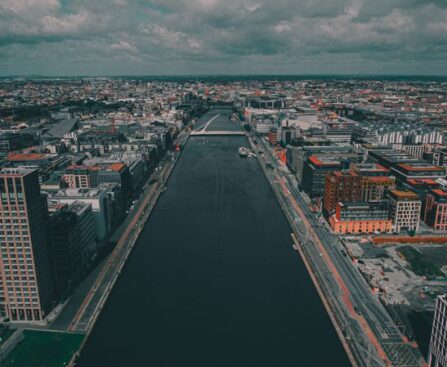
pixel 76 193
pixel 18 157
pixel 423 182
pixel 78 207
pixel 117 167
pixel 370 167
pixel 320 161
pixel 383 205
pixel 62 128
pixel 420 166
pixel 75 167
pixel 380 179
pixel 440 193
pixel 345 173
pixel 404 195
pixel 15 171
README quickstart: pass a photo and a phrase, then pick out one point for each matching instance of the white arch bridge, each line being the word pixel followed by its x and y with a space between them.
pixel 204 132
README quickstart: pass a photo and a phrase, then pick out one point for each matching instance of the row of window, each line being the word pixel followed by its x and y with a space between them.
pixel 8 220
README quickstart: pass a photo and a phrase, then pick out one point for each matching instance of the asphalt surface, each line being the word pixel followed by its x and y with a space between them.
pixel 367 304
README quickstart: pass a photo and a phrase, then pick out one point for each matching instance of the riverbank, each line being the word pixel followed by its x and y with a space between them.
pixel 213 280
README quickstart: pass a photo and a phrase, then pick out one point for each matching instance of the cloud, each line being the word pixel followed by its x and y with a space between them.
pixel 222 36
pixel 123 46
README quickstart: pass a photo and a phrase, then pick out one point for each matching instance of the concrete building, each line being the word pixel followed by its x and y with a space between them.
pixel 437 157
pixel 78 177
pixel 136 171
pixel 266 102
pixel 85 177
pixel 65 245
pixel 287 133
pixel 315 169
pixel 27 287
pixel 437 353
pixel 417 170
pixel 86 227
pixel 297 155
pixel 97 198
pixel 116 173
pixel 415 150
pixel 376 181
pixel 405 210
pixel 263 126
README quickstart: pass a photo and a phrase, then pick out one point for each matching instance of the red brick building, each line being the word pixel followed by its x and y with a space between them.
pixel 435 211
pixel 341 186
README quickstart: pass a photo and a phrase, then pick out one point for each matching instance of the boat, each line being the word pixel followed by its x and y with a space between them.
pixel 243 152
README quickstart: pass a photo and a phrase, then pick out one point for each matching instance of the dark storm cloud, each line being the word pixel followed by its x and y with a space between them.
pixel 219 36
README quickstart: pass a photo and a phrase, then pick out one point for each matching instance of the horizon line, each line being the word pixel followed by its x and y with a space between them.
pixel 222 75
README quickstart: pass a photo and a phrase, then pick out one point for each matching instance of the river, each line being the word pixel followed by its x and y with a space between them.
pixel 214 280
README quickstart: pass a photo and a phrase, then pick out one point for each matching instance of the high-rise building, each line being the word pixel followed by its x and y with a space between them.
pixel 437 353
pixel 341 186
pixel 26 278
pixel 405 210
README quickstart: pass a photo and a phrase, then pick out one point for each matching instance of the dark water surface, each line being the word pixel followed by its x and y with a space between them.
pixel 213 280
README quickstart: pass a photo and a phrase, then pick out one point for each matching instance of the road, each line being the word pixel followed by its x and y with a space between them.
pixel 379 341
pixel 91 307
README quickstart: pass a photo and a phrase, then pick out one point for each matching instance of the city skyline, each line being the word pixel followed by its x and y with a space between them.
pixel 214 37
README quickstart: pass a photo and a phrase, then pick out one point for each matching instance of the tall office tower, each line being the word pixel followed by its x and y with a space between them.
pixel 437 353
pixel 25 270
pixel 341 186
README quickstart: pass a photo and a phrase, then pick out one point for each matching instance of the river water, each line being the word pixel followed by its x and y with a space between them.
pixel 213 279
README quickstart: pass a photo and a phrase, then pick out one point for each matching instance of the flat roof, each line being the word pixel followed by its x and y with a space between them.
pixel 420 167
pixel 80 167
pixel 370 167
pixel 17 157
pixel 422 181
pixel 342 173
pixel 117 167
pixel 404 194
pixel 320 161
pixel 439 192
pixel 364 205
pixel 16 171
pixel 379 179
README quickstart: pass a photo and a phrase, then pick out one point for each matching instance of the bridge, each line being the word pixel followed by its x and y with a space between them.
pixel 216 132
pixel 204 132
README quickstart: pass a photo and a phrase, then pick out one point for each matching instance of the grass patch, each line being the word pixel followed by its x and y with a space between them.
pixel 419 263
pixel 44 349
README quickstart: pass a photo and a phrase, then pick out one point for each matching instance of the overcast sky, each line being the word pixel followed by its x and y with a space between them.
pixel 127 37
